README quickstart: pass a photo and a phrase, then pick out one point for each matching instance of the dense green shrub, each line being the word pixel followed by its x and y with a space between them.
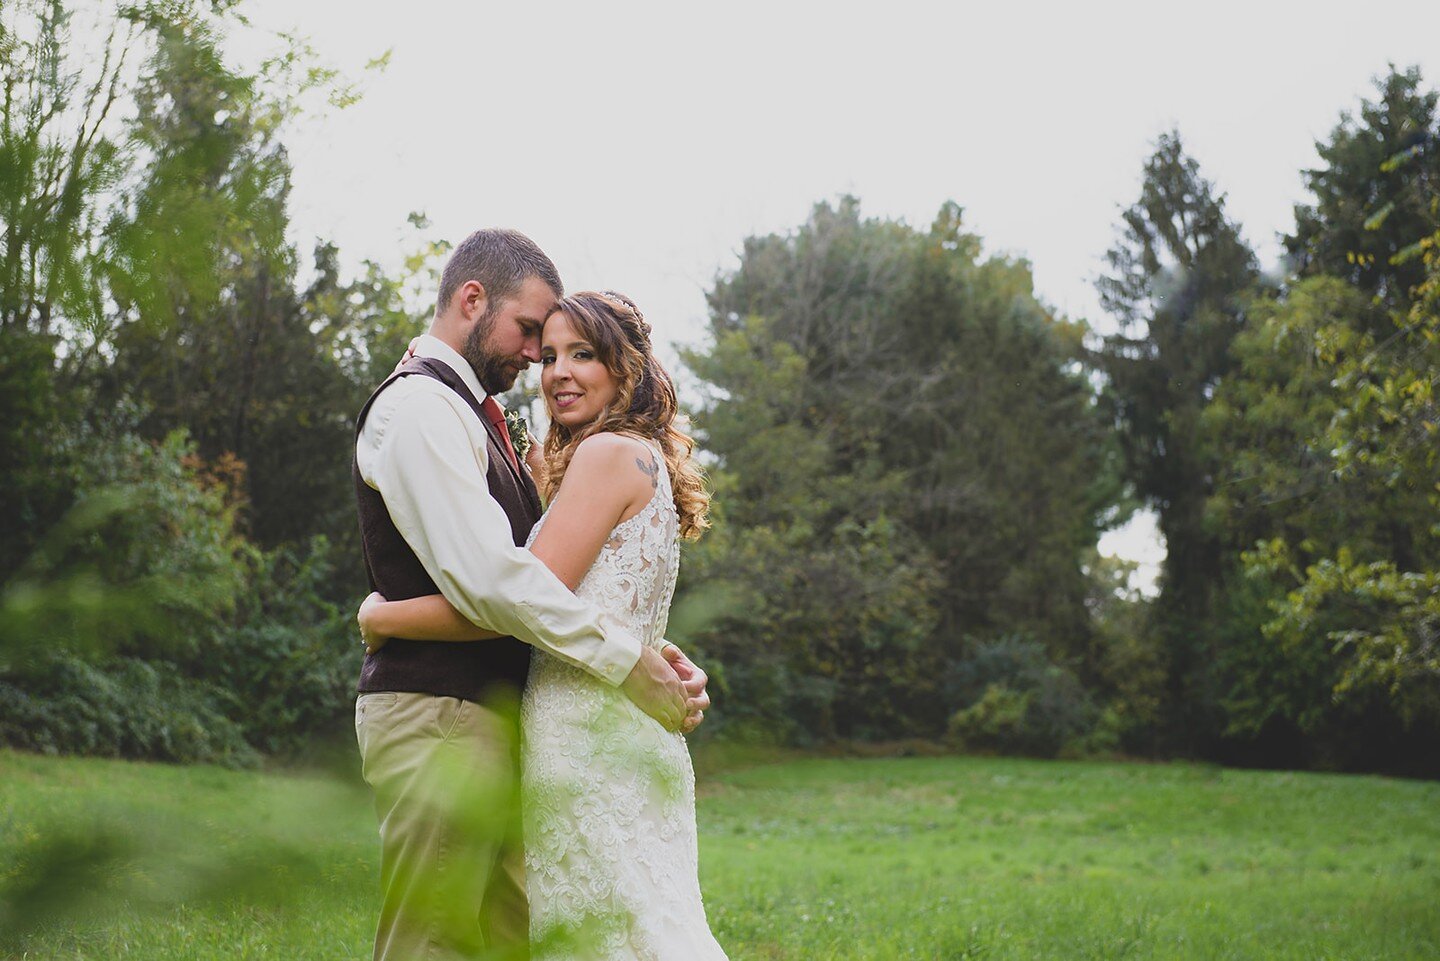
pixel 143 626
pixel 287 662
pixel 119 707
pixel 822 636
pixel 1012 697
pixel 141 564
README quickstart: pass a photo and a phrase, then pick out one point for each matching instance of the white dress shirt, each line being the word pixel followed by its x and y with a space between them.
pixel 424 449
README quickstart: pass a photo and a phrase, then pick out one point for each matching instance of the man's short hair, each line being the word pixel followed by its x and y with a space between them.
pixel 500 260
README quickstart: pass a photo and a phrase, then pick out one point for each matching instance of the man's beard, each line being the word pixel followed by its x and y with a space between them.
pixel 496 374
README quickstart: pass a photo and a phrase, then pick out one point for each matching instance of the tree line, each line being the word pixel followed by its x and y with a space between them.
pixel 913 456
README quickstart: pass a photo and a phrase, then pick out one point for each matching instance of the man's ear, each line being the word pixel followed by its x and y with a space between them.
pixel 471 300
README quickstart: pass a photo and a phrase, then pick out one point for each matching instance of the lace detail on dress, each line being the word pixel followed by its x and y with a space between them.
pixel 610 837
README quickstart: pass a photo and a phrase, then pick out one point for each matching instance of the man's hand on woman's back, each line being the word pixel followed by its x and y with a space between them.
pixel 656 689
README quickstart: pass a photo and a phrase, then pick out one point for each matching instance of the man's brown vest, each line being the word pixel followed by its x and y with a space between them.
pixel 467 669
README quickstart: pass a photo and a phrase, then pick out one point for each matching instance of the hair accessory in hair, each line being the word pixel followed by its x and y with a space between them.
pixel 639 317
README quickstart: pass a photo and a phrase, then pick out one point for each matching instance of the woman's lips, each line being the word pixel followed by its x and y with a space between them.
pixel 565 399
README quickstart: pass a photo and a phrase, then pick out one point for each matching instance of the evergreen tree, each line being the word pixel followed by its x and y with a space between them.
pixel 1372 198
pixel 1325 499
pixel 1178 281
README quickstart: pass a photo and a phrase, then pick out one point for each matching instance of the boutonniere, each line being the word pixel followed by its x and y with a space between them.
pixel 519 433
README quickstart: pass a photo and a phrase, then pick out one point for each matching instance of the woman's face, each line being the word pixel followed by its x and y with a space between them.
pixel 576 384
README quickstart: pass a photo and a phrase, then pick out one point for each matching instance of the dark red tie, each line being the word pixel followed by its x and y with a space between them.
pixel 497 417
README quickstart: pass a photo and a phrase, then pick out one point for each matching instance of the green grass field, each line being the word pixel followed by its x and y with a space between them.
pixel 935 858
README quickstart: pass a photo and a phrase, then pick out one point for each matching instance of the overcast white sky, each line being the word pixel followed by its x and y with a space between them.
pixel 640 143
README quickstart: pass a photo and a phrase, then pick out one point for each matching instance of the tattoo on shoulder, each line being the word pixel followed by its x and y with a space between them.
pixel 651 470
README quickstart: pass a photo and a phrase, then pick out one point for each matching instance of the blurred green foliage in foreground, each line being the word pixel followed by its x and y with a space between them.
pixel 802 858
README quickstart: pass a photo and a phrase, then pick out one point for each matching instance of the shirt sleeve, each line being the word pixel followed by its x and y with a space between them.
pixel 426 472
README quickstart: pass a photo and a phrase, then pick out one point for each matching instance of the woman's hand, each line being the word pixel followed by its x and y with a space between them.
pixel 409 356
pixel 366 617
pixel 535 459
pixel 693 680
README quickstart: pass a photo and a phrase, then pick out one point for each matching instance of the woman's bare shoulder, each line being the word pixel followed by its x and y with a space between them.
pixel 613 457
pixel 610 446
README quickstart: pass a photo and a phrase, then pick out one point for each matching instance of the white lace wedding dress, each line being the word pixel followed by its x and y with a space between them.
pixel 609 813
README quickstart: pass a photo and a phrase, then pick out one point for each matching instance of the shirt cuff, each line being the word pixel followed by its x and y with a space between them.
pixel 621 652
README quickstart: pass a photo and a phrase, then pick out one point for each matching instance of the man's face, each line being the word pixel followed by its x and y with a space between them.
pixel 507 339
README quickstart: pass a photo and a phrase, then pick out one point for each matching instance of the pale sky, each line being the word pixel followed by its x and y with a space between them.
pixel 640 143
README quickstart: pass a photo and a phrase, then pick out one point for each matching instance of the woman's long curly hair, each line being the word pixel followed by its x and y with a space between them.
pixel 644 404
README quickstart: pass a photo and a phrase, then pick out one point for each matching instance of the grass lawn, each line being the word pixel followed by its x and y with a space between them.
pixel 935 858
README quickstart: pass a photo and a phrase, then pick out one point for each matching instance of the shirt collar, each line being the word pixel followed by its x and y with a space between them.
pixel 432 346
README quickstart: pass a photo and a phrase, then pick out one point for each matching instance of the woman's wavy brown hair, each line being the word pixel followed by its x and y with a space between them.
pixel 644 404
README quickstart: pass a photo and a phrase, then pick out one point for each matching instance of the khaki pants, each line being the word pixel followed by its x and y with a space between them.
pixel 452 870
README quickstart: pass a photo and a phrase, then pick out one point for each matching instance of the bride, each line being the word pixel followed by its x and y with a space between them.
pixel 609 813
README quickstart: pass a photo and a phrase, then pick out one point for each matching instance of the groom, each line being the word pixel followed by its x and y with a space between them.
pixel 445 507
